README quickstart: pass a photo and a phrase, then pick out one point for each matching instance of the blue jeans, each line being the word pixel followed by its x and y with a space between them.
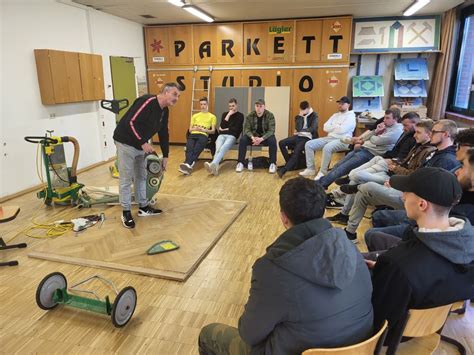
pixel 327 145
pixel 386 218
pixel 223 143
pixel 352 160
pixel 195 144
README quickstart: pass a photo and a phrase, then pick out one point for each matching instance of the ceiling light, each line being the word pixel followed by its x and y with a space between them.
pixel 179 3
pixel 198 13
pixel 417 5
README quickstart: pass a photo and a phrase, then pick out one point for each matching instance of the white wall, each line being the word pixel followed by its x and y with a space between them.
pixel 27 25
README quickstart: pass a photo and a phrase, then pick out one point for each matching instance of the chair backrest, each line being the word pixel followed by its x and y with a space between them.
pixel 366 347
pixel 422 322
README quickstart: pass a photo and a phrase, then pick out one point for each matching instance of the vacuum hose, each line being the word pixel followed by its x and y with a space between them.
pixel 75 158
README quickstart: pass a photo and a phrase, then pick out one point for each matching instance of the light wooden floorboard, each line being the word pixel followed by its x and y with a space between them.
pixel 169 314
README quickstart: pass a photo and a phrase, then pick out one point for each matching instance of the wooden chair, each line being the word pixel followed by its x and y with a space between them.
pixel 369 346
pixel 424 326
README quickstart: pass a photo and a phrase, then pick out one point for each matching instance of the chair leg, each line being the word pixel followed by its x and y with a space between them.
pixel 4 246
pixel 457 344
pixel 461 310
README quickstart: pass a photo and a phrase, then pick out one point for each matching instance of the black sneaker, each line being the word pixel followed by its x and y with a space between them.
pixel 148 211
pixel 281 172
pixel 339 218
pixel 127 220
pixel 333 204
pixel 343 180
pixel 351 236
pixel 350 189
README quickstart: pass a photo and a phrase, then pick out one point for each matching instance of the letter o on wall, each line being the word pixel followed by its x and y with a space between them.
pixel 306 84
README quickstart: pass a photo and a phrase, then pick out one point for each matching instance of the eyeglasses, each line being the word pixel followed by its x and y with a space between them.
pixel 434 132
pixel 460 145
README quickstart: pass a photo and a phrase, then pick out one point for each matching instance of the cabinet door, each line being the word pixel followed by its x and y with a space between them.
pixel 87 80
pixel 98 76
pixel 66 77
pixel 44 76
pixel 73 73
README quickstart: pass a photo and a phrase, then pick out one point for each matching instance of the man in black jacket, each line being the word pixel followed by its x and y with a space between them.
pixel 229 130
pixel 435 265
pixel 310 289
pixel 306 128
pixel 147 116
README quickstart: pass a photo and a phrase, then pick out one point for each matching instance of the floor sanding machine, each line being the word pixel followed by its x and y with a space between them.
pixel 61 181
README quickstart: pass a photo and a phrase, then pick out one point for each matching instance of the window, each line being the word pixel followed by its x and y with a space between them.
pixel 462 95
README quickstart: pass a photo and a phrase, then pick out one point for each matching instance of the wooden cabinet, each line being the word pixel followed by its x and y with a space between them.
pixel 92 76
pixel 68 76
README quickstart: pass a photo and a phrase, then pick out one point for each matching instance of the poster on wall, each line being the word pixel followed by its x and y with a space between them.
pixel 396 34
pixel 367 86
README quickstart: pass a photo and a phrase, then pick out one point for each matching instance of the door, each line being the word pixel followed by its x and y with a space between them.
pixel 123 81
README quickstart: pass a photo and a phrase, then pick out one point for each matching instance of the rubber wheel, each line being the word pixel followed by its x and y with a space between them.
pixel 48 202
pixel 124 306
pixel 46 289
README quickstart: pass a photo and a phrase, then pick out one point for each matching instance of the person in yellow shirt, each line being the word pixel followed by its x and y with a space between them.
pixel 202 124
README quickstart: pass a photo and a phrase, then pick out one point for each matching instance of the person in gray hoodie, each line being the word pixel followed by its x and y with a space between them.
pixel 434 266
pixel 310 289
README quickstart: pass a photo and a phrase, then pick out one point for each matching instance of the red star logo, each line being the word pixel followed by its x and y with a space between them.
pixel 156 45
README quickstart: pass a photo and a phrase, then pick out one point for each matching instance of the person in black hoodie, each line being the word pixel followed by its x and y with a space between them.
pixel 435 265
pixel 230 130
pixel 382 238
pixel 306 128
pixel 310 289
pixel 147 116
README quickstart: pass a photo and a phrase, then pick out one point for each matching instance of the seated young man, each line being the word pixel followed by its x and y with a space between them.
pixel 259 130
pixel 373 194
pixel 378 168
pixel 202 124
pixel 395 222
pixel 230 130
pixel 377 142
pixel 415 159
pixel 306 128
pixel 435 265
pixel 310 289
pixel 339 126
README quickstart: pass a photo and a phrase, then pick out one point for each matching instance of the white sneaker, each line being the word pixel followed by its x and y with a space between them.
pixel 207 165
pixel 250 165
pixel 239 168
pixel 319 176
pixel 307 172
pixel 214 169
pixel 272 169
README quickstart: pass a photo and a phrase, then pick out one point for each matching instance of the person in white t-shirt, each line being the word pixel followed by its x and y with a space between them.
pixel 339 127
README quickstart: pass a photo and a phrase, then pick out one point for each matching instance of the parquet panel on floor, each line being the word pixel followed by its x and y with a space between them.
pixel 169 314
pixel 195 224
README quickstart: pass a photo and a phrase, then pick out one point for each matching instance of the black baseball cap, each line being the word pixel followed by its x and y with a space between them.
pixel 435 185
pixel 260 102
pixel 344 100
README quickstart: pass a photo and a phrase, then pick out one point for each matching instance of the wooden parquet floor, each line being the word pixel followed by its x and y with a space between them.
pixel 169 314
pixel 194 224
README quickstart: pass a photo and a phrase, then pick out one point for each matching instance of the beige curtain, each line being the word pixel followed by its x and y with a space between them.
pixel 439 91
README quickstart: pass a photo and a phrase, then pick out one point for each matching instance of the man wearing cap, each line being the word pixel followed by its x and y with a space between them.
pixel 434 266
pixel 339 126
pixel 259 130
pixel 377 142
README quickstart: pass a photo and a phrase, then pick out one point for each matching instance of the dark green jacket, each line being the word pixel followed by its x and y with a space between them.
pixel 250 126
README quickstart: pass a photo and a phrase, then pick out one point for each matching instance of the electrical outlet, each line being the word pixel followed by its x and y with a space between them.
pixel 52 115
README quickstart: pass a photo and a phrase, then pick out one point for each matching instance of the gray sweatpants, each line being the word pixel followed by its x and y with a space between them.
pixel 132 169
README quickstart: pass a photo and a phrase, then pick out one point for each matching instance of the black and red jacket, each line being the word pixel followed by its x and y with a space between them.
pixel 142 121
